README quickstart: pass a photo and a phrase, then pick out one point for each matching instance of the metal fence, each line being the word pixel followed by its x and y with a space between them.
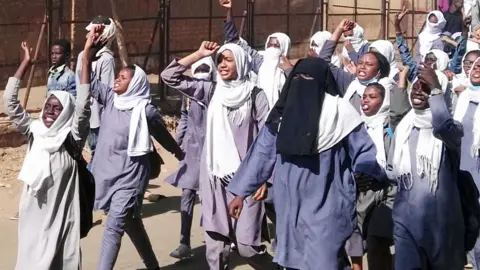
pixel 156 31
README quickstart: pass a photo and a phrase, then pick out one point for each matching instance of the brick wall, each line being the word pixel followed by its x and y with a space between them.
pixel 24 18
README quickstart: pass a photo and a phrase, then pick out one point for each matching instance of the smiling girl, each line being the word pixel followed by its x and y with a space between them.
pixel 49 224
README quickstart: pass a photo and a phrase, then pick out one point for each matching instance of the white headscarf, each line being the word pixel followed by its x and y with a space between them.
pixel 431 32
pixel 429 148
pixel 386 48
pixel 442 59
pixel 357 40
pixel 108 35
pixel 204 76
pixel 136 99
pixel 231 100
pixel 36 170
pixel 284 40
pixel 320 38
pixel 270 77
pixel 467 96
pixel 375 126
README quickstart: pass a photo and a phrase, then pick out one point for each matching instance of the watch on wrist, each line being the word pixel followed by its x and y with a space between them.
pixel 436 92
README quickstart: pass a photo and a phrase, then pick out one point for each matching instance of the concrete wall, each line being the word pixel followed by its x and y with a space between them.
pixel 185 34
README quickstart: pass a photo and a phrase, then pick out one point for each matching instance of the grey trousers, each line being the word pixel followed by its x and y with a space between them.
pixel 186 207
pixel 121 218
pixel 218 253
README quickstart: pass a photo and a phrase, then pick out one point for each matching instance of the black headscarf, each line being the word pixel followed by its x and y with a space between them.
pixel 296 115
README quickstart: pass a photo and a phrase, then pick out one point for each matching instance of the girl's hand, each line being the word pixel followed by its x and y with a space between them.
pixel 346 25
pixel 27 52
pixel 285 64
pixel 208 48
pixel 225 3
pixel 261 193
pixel 312 53
pixel 399 16
pixel 94 36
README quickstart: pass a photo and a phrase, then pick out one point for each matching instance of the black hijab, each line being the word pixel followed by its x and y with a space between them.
pixel 296 115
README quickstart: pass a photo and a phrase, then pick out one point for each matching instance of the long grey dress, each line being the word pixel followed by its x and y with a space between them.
pixel 428 227
pixel 468 163
pixel 49 224
pixel 314 196
pixel 121 180
pixel 190 136
pixel 220 227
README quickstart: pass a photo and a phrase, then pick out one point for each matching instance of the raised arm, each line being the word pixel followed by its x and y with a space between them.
pixel 352 54
pixel 81 120
pixel 174 76
pixel 455 64
pixel 13 109
pixel 343 78
pixel 444 127
pixel 405 54
pixel 232 36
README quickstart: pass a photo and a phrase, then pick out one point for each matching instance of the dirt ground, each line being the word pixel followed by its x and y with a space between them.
pixel 161 219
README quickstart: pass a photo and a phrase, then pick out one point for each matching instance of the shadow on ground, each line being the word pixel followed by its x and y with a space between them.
pixel 198 262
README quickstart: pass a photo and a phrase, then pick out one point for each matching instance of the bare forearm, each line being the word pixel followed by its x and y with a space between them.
pixel 190 59
pixel 22 69
pixel 229 15
pixel 86 69
pixel 337 34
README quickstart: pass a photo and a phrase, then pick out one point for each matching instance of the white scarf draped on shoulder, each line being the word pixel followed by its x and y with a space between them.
pixel 270 77
pixel 36 170
pixel 136 99
pixel 231 101
pixel 431 32
pixel 429 149
pixel 337 119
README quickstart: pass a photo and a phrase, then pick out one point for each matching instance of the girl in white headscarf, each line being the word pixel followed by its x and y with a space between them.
pixel 316 45
pixel 270 65
pixel 126 161
pixel 49 228
pixel 430 37
pixel 374 208
pixel 386 48
pixel 237 109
